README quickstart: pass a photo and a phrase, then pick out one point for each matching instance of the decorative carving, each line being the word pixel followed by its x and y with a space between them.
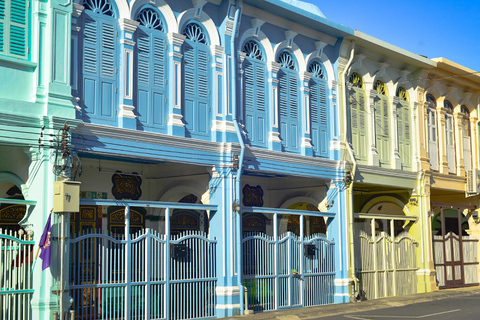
pixel 12 213
pixel 185 220
pixel 253 222
pixel 87 213
pixel 252 196
pixel 126 186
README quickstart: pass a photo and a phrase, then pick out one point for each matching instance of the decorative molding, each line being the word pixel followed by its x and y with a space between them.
pixel 126 111
pixel 223 126
pixel 289 35
pixel 217 50
pixel 229 27
pixel 274 137
pixel 198 6
pixel 273 66
pixel 306 143
pixel 175 120
pixel 77 10
pixel 127 42
pixel 256 25
pixel 227 291
pixel 128 25
pixel 176 39
pixel 320 45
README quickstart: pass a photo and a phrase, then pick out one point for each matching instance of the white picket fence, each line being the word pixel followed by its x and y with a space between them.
pixel 385 267
pixel 16 283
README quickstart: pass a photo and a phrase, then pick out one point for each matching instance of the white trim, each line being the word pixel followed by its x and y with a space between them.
pixel 306 143
pixel 223 126
pixel 128 74
pixel 175 120
pixel 262 38
pixel 177 83
pixel 123 9
pixel 227 306
pixel 218 81
pixel 205 20
pixel 126 111
pixel 296 52
pixel 342 295
pixel 164 9
pixel 275 107
pixel 227 291
pixel 306 100
pixel 274 137
pixel 127 42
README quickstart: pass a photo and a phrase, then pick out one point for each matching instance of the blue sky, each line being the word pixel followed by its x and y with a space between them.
pixel 433 28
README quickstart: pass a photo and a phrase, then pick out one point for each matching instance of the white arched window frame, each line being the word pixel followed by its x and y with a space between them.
pixel 403 128
pixel 450 136
pixel 432 132
pixel 358 117
pixel 467 152
pixel 196 80
pixel 318 97
pixel 151 70
pixel 288 102
pixel 254 93
pixel 382 127
pixel 99 61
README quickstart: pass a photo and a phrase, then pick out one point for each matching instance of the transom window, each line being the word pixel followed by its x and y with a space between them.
pixel 380 87
pixel 402 93
pixel 286 60
pixel 317 69
pixel 356 80
pixel 100 6
pixel 150 19
pixel 447 105
pixel 252 49
pixel 432 103
pixel 194 33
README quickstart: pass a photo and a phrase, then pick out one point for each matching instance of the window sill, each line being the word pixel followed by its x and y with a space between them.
pixel 5 61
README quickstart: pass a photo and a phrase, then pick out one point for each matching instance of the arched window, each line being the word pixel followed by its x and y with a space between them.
pixel 450 136
pixel 358 130
pixel 318 109
pixel 99 61
pixel 403 127
pixel 432 131
pixel 254 93
pixel 288 102
pixel 151 70
pixel 382 122
pixel 467 153
pixel 196 80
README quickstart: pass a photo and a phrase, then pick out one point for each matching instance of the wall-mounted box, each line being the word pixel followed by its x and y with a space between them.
pixel 66 196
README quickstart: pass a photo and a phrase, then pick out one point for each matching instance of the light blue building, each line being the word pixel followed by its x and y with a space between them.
pixel 212 181
pixel 214 124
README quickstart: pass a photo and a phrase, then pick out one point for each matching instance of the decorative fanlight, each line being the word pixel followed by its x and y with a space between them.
pixel 402 93
pixel 356 80
pixel 286 60
pixel 194 33
pixel 317 70
pixel 99 6
pixel 252 50
pixel 380 87
pixel 150 19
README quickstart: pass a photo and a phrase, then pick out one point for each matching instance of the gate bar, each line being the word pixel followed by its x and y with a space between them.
pixel 148 204
pixel 288 211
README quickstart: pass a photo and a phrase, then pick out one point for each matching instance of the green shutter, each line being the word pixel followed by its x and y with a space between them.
pixel 18 28
pixel 2 25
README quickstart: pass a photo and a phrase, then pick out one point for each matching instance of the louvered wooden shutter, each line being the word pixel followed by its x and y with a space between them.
pixel 14 28
pixel 288 105
pixel 318 116
pixel 150 95
pixel 403 126
pixel 450 143
pixel 432 139
pixel 196 88
pixel 254 91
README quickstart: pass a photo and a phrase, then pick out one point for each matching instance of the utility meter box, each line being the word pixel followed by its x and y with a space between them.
pixel 66 196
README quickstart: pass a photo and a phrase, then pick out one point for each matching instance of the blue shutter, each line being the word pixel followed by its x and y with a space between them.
pixel 150 64
pixel 17 25
pixel 99 67
pixel 318 116
pixel 2 25
pixel 254 99
pixel 288 113
pixel 196 89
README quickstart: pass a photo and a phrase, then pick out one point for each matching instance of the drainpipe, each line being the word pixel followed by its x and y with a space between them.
pixel 238 184
pixel 354 168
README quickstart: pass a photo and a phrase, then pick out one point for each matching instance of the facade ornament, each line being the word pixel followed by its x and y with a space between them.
pixel 198 6
pixel 289 35
pixel 256 25
pixel 320 45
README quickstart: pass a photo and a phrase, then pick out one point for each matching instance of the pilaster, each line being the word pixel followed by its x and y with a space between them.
pixel 176 126
pixel 373 158
pixel 126 115
pixel 458 136
pixel 274 142
pixel 396 160
pixel 306 147
pixel 442 142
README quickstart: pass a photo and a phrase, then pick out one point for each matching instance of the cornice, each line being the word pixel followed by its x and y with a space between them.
pixel 394 173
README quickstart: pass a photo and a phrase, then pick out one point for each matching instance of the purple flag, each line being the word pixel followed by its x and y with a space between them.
pixel 45 244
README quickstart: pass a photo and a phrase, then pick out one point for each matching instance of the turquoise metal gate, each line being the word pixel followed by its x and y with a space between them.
pixel 16 283
pixel 288 271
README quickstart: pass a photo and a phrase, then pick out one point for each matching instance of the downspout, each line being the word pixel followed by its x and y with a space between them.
pixel 350 218
pixel 238 184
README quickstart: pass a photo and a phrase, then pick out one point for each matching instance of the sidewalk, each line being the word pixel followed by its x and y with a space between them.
pixel 345 308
